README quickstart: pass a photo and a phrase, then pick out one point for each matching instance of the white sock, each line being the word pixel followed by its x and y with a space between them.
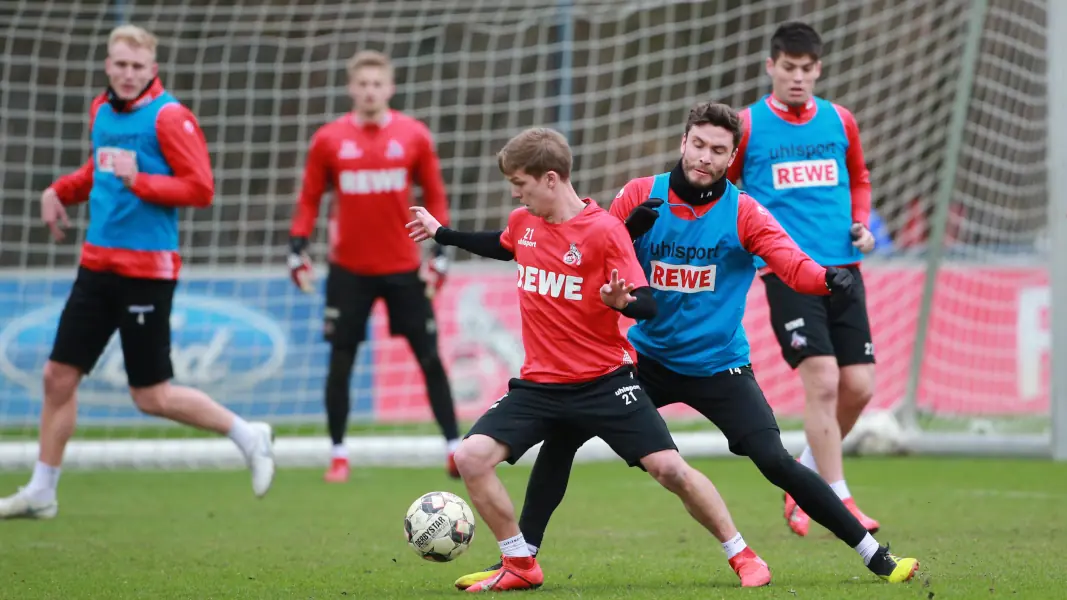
pixel 841 489
pixel 242 434
pixel 43 482
pixel 515 547
pixel 734 546
pixel 339 451
pixel 533 549
pixel 452 445
pixel 867 548
pixel 808 459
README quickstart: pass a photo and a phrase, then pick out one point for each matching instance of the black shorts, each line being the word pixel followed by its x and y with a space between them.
pixel 810 326
pixel 99 303
pixel 731 399
pixel 350 298
pixel 613 408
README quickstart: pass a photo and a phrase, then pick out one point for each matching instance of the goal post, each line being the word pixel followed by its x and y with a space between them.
pixel 965 321
pixel 1057 159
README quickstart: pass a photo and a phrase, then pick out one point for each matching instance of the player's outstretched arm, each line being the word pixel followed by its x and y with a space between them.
pixel 762 235
pixel 185 150
pixel 483 243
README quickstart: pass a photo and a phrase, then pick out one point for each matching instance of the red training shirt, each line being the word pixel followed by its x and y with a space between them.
pixel 568 333
pixel 371 167
pixel 758 231
pixel 183 146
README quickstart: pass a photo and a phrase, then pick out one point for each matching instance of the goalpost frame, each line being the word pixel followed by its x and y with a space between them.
pixel 1057 190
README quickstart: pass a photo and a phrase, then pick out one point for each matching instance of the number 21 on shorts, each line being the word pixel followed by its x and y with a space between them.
pixel 627 394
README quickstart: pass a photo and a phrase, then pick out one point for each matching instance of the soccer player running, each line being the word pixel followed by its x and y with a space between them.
pixel 149 159
pixel 371 157
pixel 801 157
pixel 576 273
pixel 697 237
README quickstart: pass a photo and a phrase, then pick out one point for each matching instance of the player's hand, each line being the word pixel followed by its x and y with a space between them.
pixel 125 167
pixel 862 237
pixel 643 217
pixel 842 285
pixel 53 214
pixel 617 293
pixel 300 269
pixel 424 227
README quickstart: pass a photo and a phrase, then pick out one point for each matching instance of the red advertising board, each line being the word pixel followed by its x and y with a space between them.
pixel 987 348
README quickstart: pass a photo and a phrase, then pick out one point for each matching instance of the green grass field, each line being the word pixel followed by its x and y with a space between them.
pixel 982 529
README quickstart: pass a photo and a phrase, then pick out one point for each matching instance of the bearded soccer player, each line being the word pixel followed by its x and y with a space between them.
pixel 149 159
pixel 371 157
pixel 697 238
pixel 801 156
pixel 576 273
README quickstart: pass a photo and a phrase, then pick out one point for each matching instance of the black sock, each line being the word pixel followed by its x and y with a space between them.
pixel 548 484
pixel 437 387
pixel 337 383
pixel 811 493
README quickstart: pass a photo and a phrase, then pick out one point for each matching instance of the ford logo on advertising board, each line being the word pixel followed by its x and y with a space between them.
pixel 217 345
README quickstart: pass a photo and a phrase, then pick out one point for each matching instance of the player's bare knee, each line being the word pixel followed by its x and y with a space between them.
pixel 151 400
pixel 477 455
pixel 856 387
pixel 668 468
pixel 821 379
pixel 60 382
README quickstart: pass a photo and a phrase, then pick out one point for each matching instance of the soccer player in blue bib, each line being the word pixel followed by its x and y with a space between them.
pixel 801 156
pixel 149 158
pixel 698 238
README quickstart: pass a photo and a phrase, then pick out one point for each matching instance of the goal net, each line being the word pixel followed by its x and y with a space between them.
pixel 618 78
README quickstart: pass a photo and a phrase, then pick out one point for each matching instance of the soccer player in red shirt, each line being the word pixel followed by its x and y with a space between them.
pixel 696 237
pixel 371 157
pixel 149 159
pixel 576 273
pixel 801 156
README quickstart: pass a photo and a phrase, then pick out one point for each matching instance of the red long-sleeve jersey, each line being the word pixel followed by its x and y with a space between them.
pixel 371 167
pixel 859 176
pixel 191 184
pixel 758 231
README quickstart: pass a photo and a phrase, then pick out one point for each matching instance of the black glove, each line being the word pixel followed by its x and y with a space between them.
pixel 642 218
pixel 842 286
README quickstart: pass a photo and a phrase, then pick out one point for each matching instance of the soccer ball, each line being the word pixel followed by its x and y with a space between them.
pixel 439 526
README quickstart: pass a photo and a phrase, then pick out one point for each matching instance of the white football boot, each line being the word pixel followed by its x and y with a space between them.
pixel 22 505
pixel 260 459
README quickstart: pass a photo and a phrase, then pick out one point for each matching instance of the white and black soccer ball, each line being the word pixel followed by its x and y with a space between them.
pixel 439 526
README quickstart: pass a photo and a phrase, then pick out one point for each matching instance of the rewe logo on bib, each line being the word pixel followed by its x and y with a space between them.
pixel 805 173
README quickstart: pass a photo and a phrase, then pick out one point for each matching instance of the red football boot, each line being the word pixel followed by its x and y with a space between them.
pixel 515 574
pixel 338 471
pixel 751 569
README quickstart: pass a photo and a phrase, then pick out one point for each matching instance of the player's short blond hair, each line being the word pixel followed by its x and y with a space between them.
pixel 136 37
pixel 370 58
pixel 536 151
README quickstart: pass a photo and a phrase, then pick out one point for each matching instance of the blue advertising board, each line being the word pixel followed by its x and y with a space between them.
pixel 253 342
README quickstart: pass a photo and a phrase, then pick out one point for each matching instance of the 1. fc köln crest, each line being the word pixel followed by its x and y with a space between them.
pixel 573 256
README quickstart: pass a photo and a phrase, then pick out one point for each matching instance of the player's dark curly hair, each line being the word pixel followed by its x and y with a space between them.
pixel 796 39
pixel 719 115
